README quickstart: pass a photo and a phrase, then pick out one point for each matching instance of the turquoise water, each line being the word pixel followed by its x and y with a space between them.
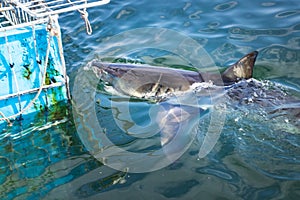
pixel 257 154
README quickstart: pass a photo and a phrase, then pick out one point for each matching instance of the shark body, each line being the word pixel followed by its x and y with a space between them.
pixel 177 123
pixel 144 81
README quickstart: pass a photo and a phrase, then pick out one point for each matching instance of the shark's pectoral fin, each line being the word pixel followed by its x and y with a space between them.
pixel 178 129
pixel 243 69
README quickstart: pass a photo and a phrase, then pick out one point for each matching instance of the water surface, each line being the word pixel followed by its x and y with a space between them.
pixel 257 154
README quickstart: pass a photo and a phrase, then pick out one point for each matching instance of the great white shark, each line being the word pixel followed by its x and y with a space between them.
pixel 144 81
pixel 159 83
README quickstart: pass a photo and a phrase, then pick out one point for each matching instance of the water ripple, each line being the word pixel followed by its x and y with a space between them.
pixel 219 173
pixel 226 6
pixel 125 13
pixel 268 4
pixel 289 13
pixel 177 189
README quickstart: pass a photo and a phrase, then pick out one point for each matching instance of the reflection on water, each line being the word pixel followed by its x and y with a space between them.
pixel 257 156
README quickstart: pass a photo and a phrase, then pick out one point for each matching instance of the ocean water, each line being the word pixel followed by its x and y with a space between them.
pixel 257 153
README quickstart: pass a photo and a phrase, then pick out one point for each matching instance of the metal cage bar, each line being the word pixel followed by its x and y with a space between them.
pixel 20 13
pixel 44 8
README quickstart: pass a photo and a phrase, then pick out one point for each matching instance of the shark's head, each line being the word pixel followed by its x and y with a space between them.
pixel 144 81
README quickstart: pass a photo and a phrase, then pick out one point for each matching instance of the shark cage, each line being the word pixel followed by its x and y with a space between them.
pixel 33 79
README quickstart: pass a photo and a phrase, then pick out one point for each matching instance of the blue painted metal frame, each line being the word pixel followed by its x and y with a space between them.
pixel 24 50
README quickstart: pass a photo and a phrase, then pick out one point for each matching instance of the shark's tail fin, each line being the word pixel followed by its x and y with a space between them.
pixel 243 69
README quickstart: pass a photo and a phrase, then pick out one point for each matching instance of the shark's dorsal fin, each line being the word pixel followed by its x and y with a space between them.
pixel 243 69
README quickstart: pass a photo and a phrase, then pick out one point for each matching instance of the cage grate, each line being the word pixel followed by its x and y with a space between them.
pixel 24 12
